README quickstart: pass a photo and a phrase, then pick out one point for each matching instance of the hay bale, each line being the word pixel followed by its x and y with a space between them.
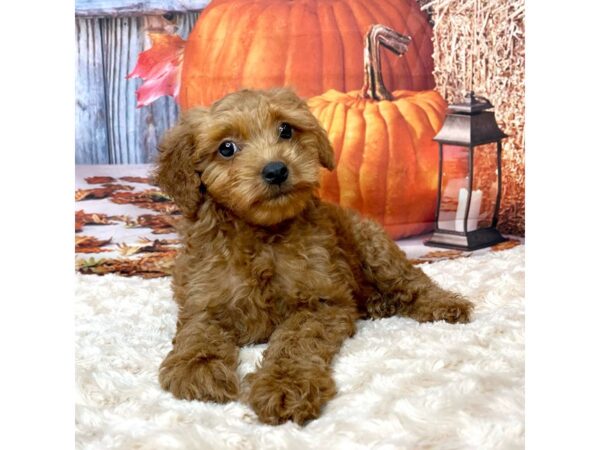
pixel 498 74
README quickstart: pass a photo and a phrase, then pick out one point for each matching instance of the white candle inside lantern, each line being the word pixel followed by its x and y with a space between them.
pixel 461 211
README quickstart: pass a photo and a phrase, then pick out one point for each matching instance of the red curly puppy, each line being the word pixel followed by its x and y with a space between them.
pixel 263 259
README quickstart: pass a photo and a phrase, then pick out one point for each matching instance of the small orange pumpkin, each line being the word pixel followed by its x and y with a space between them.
pixel 309 45
pixel 386 159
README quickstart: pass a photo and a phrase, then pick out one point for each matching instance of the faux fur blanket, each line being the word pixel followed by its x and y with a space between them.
pixel 401 385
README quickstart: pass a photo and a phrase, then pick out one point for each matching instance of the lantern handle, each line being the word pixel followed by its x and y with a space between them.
pixel 377 36
pixel 472 104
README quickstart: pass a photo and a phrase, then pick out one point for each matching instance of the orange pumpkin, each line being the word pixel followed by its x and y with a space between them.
pixel 310 45
pixel 386 159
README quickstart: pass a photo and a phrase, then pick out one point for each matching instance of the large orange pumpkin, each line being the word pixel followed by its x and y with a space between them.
pixel 310 45
pixel 386 159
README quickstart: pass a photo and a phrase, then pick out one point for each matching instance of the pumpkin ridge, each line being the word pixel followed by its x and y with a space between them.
pixel 348 58
pixel 427 105
pixel 420 103
pixel 222 11
pixel 412 111
pixel 374 162
pixel 187 71
pixel 435 107
pixel 262 43
pixel 216 51
pixel 231 59
pixel 426 145
pixel 438 107
pixel 389 115
pixel 407 158
pixel 302 17
pixel 327 15
pixel 318 109
pixel 320 41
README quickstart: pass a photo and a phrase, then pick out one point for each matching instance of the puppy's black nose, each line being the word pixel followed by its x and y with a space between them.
pixel 275 172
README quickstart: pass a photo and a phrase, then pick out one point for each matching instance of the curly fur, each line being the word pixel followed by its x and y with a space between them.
pixel 273 263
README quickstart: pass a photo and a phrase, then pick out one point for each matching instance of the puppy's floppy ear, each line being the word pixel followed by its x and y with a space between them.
pixel 298 111
pixel 175 172
pixel 326 156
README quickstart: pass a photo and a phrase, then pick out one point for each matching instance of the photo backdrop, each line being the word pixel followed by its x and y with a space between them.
pixel 196 51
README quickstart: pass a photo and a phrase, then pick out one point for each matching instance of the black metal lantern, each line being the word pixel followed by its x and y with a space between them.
pixel 470 177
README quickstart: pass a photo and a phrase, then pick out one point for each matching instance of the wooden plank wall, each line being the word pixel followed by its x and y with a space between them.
pixel 91 138
pixel 109 129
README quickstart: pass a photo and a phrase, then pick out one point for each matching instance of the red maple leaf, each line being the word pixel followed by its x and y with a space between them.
pixel 160 68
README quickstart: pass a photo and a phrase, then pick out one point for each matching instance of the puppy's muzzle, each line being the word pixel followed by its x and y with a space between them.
pixel 275 172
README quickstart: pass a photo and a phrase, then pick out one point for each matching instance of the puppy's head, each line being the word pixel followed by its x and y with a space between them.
pixel 258 153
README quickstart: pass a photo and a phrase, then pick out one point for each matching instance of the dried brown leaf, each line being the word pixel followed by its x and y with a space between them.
pixel 439 255
pixel 90 244
pixel 149 199
pixel 159 223
pixel 144 240
pixel 145 247
pixel 82 218
pixel 506 245
pixel 122 218
pixel 99 180
pixel 99 193
pixel 445 254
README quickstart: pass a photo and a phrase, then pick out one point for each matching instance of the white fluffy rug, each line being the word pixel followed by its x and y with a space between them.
pixel 402 385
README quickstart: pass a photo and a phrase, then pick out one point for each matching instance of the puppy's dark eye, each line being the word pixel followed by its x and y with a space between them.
pixel 227 149
pixel 285 131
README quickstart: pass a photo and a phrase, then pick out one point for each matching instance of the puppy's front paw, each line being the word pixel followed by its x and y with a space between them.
pixel 284 391
pixel 459 312
pixel 199 379
pixel 444 305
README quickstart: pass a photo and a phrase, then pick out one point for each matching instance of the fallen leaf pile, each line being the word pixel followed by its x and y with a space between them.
pixel 152 266
pixel 150 257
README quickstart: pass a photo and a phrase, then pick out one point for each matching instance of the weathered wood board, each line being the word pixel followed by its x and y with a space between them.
pixel 91 137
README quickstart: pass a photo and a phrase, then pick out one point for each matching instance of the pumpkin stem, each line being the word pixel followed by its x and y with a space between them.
pixel 377 36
